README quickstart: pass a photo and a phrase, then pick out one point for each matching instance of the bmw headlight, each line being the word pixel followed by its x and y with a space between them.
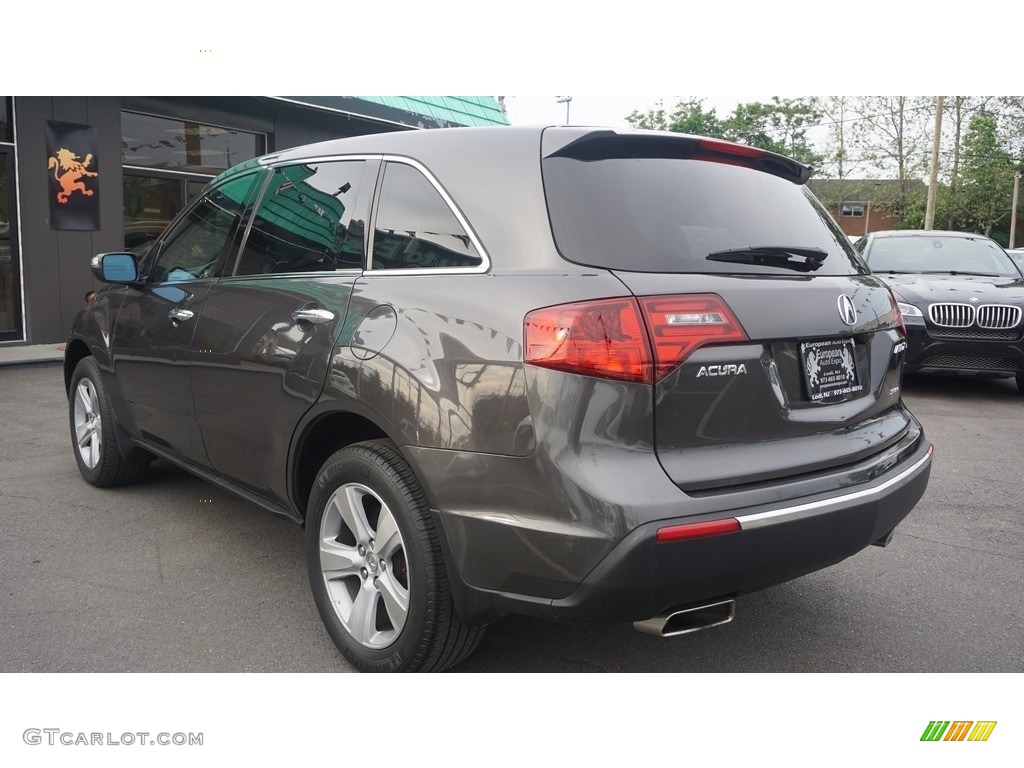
pixel 909 310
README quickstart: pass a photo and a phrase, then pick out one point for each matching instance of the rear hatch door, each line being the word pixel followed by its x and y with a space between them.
pixel 777 353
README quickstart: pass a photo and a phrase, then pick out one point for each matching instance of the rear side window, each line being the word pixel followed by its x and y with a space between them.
pixel 664 214
pixel 415 228
pixel 310 219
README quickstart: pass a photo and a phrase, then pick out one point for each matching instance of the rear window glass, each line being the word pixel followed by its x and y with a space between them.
pixel 666 215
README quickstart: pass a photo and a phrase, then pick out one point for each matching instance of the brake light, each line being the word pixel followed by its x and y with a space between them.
pixel 680 324
pixel 728 148
pixel 697 530
pixel 626 339
pixel 598 338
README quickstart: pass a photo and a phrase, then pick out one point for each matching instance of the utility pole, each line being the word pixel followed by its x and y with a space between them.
pixel 567 100
pixel 1013 213
pixel 933 182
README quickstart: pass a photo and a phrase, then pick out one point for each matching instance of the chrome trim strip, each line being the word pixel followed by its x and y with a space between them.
pixel 142 170
pixel 485 259
pixel 787 514
pixel 276 160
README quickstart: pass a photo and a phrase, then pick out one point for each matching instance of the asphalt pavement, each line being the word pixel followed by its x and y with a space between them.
pixel 176 575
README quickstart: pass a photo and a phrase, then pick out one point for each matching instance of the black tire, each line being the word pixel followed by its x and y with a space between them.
pixel 1020 383
pixel 387 605
pixel 93 431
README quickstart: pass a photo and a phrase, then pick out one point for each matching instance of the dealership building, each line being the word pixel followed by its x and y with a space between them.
pixel 81 175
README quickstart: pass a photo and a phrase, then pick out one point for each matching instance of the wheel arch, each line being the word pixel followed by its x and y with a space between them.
pixel 327 433
pixel 74 353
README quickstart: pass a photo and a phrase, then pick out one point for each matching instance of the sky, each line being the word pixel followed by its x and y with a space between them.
pixel 606 109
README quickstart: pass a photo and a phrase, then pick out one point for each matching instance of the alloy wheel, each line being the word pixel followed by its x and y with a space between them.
pixel 363 561
pixel 88 425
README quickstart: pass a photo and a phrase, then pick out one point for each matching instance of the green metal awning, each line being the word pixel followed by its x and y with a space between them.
pixel 460 110
pixel 412 111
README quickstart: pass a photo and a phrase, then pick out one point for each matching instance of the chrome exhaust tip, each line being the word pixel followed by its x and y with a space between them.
pixel 682 621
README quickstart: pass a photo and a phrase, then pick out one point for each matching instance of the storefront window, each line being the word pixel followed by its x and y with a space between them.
pixel 149 206
pixel 5 118
pixel 179 145
pixel 9 306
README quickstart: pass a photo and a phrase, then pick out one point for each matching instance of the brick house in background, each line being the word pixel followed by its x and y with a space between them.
pixel 863 205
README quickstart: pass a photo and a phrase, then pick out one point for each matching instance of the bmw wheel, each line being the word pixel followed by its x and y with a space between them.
pixel 375 566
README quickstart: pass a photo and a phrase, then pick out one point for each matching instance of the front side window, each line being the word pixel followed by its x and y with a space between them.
pixel 415 228
pixel 193 247
pixel 310 219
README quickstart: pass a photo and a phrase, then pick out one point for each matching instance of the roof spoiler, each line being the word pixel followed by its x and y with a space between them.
pixel 608 144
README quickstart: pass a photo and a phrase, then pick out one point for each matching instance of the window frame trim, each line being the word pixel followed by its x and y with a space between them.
pixel 485 260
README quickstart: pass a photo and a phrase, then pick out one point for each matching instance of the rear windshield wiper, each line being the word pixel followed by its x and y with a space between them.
pixel 773 256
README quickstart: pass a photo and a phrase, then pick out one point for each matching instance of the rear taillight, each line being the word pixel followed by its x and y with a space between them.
pixel 627 339
pixel 901 324
pixel 599 338
pixel 680 324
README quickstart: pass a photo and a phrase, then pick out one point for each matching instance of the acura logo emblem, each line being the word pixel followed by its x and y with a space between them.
pixel 846 310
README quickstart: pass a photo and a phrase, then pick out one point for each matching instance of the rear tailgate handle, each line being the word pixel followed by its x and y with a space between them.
pixel 315 316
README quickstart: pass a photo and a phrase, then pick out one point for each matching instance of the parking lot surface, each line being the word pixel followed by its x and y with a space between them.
pixel 176 575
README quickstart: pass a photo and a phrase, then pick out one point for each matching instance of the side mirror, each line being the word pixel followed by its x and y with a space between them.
pixel 115 268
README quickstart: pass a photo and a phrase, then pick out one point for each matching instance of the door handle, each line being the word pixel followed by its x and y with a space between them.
pixel 180 314
pixel 314 316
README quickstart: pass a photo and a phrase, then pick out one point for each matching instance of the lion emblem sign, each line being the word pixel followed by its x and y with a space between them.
pixel 70 180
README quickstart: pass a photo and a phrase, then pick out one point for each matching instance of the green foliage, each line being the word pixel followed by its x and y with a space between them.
pixel 779 126
pixel 890 136
pixel 687 117
pixel 987 175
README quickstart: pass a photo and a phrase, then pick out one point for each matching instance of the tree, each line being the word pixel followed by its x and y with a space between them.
pixel 687 117
pixel 894 135
pixel 956 114
pixel 778 126
pixel 837 161
pixel 988 169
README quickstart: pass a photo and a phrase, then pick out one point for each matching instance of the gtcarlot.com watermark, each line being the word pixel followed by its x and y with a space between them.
pixel 57 737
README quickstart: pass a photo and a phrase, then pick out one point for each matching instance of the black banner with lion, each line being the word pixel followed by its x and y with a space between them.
pixel 74 172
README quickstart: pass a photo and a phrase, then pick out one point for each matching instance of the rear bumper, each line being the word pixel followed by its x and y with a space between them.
pixel 641 578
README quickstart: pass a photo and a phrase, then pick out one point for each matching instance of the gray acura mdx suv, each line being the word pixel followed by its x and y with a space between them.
pixel 573 373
